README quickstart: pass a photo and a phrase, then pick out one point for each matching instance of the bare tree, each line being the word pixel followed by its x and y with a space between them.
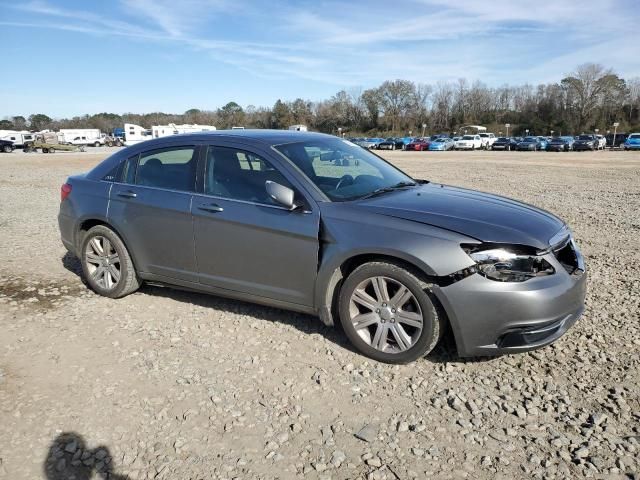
pixel 587 87
pixel 396 100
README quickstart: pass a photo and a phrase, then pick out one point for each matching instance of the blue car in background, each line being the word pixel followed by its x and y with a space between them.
pixel 544 141
pixel 441 144
pixel 632 142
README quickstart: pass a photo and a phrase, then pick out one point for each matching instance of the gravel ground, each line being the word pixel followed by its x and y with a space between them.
pixel 175 385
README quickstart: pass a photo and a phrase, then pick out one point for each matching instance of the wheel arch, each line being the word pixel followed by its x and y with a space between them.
pixel 330 290
pixel 87 224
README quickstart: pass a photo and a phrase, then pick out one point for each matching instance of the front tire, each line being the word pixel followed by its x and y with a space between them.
pixel 387 314
pixel 107 264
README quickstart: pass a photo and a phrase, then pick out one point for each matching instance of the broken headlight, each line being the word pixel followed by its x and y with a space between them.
pixel 505 265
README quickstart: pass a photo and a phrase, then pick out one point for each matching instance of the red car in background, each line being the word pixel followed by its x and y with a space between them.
pixel 419 144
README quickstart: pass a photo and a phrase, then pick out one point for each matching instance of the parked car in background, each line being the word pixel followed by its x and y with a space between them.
pixel 407 140
pixel 586 142
pixel 632 142
pixel 469 142
pixel 488 139
pixel 530 144
pixel 543 142
pixel 441 144
pixel 392 143
pixel 504 143
pixel 560 144
pixel 7 146
pixel 419 145
pixel 616 141
pixel 374 142
pixel 397 261
pixel 602 142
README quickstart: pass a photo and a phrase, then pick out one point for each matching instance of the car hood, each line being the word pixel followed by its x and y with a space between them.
pixel 483 216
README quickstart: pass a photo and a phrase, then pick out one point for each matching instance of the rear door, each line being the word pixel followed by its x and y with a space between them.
pixel 244 241
pixel 151 208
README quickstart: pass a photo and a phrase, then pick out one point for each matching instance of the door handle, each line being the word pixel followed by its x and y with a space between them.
pixel 127 194
pixel 213 208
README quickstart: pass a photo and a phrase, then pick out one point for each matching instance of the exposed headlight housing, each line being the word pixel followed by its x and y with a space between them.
pixel 505 264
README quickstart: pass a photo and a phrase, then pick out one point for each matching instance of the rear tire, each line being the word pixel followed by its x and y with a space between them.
pixel 416 305
pixel 102 254
pixel 97 144
pixel 7 149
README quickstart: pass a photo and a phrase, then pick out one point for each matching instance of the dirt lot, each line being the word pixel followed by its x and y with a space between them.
pixel 167 384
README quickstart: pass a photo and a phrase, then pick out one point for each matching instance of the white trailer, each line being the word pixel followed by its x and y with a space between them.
pixel 158 131
pixel 82 136
pixel 135 134
pixel 18 137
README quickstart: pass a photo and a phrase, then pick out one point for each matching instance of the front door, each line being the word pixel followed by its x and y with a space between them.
pixel 244 241
pixel 152 207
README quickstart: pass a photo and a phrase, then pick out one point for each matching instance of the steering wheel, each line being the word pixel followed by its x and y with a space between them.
pixel 344 179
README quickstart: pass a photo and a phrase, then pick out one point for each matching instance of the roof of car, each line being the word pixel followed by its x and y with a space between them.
pixel 271 137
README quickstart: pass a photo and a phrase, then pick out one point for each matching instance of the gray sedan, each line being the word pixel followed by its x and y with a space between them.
pixel 313 223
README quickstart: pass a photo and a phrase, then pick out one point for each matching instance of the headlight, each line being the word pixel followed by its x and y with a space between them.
pixel 503 265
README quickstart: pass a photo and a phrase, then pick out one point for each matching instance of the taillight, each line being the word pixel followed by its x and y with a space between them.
pixel 65 190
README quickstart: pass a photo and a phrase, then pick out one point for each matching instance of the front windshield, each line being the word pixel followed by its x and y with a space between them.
pixel 341 169
pixel 634 136
pixel 530 139
pixel 441 140
pixel 585 137
pixel 502 139
pixel 467 137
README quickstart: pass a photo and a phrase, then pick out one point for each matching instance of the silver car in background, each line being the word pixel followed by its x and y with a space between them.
pixel 313 223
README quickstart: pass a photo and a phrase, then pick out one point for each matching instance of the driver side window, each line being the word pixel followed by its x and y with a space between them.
pixel 240 175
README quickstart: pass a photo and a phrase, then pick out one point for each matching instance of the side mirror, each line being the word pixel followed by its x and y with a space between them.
pixel 281 194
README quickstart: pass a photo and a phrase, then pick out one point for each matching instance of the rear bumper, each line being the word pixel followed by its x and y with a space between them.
pixel 492 318
pixel 67 229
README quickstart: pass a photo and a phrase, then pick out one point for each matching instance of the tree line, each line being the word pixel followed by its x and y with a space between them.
pixel 591 97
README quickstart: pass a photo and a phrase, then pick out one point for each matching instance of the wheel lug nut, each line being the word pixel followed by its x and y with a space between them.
pixel 393 310
pixel 377 310
pixel 393 320
pixel 384 304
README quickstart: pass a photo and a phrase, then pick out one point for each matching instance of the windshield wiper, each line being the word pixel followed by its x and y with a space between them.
pixel 391 188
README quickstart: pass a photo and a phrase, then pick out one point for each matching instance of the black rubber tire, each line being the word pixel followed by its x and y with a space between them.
pixel 129 281
pixel 45 150
pixel 433 322
pixel 52 150
pixel 97 144
pixel 7 149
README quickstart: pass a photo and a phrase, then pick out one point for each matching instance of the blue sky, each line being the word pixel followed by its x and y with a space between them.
pixel 72 57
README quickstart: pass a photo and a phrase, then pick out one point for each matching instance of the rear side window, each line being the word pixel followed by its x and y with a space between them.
pixel 129 170
pixel 171 168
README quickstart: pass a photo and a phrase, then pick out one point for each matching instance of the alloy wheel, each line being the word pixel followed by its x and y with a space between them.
pixel 386 315
pixel 103 262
